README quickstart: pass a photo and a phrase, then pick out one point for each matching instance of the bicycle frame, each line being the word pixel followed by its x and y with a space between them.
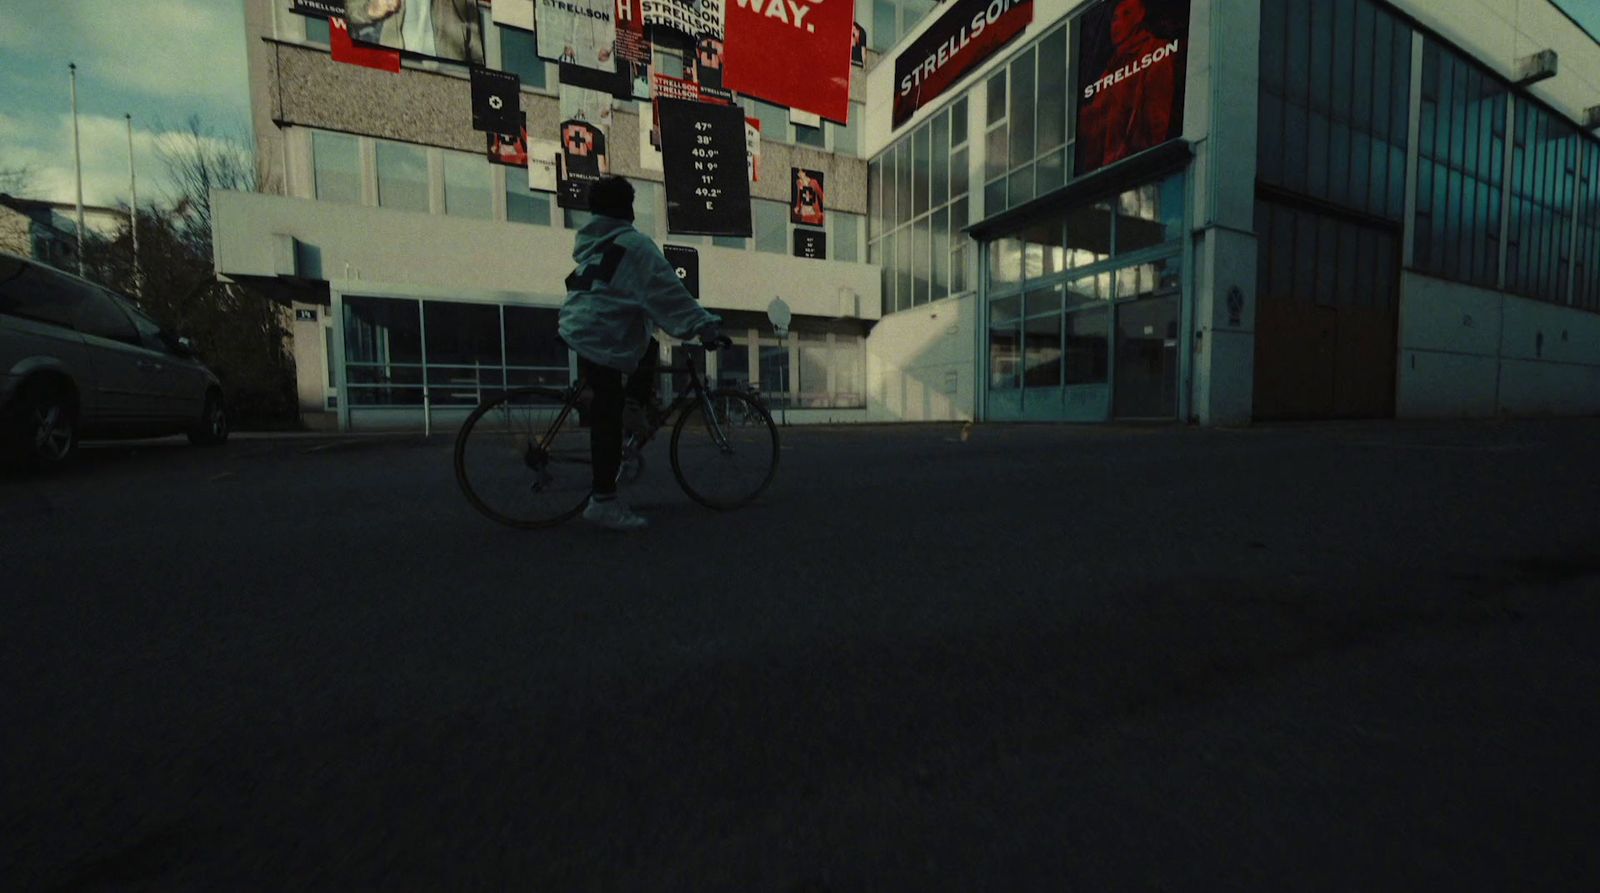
pixel 694 390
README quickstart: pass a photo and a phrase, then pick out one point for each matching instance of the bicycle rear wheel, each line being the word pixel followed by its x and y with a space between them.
pixel 726 459
pixel 522 459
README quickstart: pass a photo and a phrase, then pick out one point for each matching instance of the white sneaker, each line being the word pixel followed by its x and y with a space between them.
pixel 613 514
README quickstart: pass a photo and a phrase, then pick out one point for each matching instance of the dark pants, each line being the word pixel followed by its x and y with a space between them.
pixel 605 412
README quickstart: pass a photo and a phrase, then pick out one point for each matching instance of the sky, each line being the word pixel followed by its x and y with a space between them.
pixel 159 60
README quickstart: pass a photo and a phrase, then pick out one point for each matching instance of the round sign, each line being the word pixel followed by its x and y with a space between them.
pixel 778 314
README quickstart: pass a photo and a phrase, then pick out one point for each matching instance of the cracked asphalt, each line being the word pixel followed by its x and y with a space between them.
pixel 1313 657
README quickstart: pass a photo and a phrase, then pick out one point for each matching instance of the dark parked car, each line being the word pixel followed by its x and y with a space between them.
pixel 77 360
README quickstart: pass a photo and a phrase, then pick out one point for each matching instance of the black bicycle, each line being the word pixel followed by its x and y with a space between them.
pixel 522 456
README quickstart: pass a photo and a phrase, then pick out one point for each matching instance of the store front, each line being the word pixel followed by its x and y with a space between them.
pixel 1084 309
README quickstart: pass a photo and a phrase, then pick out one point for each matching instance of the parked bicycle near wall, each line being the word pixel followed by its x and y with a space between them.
pixel 523 458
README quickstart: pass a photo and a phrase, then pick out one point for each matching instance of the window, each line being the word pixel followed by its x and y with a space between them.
pixel 100 315
pixel 462 351
pixel 1586 262
pixel 534 355
pixel 1334 98
pixel 382 352
pixel 846 236
pixel 847 139
pixel 523 206
pixel 336 167
pixel 733 363
pixel 646 199
pixel 519 55
pixel 1544 158
pixel 775 378
pixel 402 177
pixel 774 119
pixel 917 191
pixel 814 137
pixel 771 226
pixel 40 295
pixel 317 31
pixel 1460 169
pixel 466 186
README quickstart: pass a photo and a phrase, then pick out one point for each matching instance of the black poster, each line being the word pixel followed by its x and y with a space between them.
pixel 318 9
pixel 858 45
pixel 496 101
pixel 966 34
pixel 616 83
pixel 686 261
pixel 707 173
pixel 805 197
pixel 1132 63
pixel 812 243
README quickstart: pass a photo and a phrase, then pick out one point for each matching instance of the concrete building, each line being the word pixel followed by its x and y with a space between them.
pixel 1373 209
pixel 1357 208
pixel 48 231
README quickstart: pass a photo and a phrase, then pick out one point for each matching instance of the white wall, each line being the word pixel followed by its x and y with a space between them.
pixel 1469 352
pixel 921 363
pixel 428 251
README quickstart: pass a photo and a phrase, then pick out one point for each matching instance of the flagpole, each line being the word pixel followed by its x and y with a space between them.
pixel 77 160
pixel 133 209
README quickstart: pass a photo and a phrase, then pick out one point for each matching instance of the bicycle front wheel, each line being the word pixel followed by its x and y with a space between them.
pixel 523 460
pixel 725 458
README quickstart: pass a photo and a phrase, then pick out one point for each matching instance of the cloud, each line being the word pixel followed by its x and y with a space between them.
pixel 192 50
pixel 47 152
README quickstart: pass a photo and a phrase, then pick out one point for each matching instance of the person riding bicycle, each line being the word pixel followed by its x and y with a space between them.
pixel 621 290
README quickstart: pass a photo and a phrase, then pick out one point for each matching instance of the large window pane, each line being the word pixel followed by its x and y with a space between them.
pixel 1022 110
pixel 902 270
pixel 523 206
pixel 939 160
pixel 1087 351
pixel 776 380
pixel 812 380
pixel 1088 234
pixel 466 186
pixel 902 190
pixel 959 174
pixel 919 261
pixel 920 166
pixel 1042 352
pixel 806 135
pixel 1005 264
pixel 646 200
pixel 1052 106
pixel 733 364
pixel 772 226
pixel 336 166
pixel 402 177
pixel 519 55
pixel 846 236
pixel 1005 343
pixel 531 338
pixel 941 253
pixel 847 139
pixel 461 334
pixel 383 351
pixel 875 197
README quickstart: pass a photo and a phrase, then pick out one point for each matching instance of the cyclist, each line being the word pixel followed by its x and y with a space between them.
pixel 622 289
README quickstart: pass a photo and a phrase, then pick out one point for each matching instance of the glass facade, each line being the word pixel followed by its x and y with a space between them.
pixel 1544 167
pixel 891 20
pixel 395 350
pixel 1460 169
pixel 917 195
pixel 1334 108
pixel 1586 259
pixel 1025 132
pixel 467 187
pixel 1061 286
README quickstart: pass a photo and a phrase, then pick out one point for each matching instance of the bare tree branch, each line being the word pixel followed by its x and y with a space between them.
pixel 16 180
pixel 200 159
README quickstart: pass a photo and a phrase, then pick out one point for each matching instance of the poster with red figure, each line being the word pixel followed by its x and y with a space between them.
pixel 1132 63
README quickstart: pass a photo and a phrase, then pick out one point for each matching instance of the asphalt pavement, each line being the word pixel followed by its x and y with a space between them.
pixel 1313 657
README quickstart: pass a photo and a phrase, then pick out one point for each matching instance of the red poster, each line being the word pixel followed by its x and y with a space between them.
pixel 345 50
pixel 632 44
pixel 791 52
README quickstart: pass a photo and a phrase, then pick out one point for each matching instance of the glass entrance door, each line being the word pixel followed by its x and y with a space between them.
pixel 1147 359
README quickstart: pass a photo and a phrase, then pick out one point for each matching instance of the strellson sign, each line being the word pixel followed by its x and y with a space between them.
pixel 958 42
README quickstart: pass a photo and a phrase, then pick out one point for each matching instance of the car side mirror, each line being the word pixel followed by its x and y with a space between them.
pixel 186 348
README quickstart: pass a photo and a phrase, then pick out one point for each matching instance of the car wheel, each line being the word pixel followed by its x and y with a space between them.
pixel 47 426
pixel 212 428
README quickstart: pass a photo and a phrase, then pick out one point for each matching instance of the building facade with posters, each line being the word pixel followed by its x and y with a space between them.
pixel 1225 210
pixel 419 275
